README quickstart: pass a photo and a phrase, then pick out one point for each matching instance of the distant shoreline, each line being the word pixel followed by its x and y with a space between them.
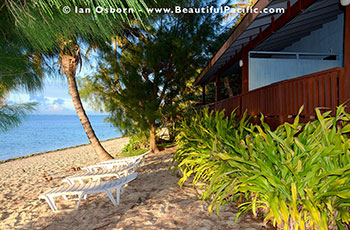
pixel 41 153
pixel 46 133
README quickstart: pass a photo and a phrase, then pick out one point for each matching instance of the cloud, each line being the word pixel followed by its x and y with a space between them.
pixel 55 107
pixel 39 98
pixel 52 105
pixel 50 102
pixel 10 102
pixel 17 97
pixel 58 101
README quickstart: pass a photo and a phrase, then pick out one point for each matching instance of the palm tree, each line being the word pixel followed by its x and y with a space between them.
pixel 69 59
pixel 43 25
pixel 26 72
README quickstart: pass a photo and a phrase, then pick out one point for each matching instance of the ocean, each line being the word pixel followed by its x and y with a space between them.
pixel 42 133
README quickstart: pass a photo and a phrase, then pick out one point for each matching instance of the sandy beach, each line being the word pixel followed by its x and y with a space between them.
pixel 152 201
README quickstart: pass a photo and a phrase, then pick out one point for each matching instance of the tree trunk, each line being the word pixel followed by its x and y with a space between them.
pixel 152 137
pixel 73 90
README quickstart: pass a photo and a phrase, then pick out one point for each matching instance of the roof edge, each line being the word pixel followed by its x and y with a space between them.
pixel 240 28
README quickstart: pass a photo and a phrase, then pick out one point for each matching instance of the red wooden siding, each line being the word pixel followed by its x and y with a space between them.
pixel 280 102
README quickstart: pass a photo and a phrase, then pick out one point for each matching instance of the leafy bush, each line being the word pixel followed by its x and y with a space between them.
pixel 136 142
pixel 132 153
pixel 203 140
pixel 297 176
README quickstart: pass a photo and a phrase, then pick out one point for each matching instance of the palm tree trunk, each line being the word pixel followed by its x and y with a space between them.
pixel 73 90
pixel 152 137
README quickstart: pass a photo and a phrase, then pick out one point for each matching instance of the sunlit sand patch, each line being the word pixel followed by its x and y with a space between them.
pixel 153 201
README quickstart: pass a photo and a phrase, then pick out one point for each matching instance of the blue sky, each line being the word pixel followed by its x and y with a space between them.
pixel 54 98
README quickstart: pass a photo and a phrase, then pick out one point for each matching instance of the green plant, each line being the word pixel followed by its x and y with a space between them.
pixel 202 142
pixel 132 153
pixel 301 173
pixel 147 81
pixel 297 176
pixel 136 142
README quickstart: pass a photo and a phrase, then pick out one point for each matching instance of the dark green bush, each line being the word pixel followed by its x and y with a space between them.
pixel 297 176
pixel 136 142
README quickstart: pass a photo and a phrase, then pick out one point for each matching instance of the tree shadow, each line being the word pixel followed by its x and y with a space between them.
pixel 97 211
pixel 152 201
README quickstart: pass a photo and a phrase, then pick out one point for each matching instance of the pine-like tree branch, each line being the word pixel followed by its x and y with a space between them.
pixel 3 5
pixel 146 74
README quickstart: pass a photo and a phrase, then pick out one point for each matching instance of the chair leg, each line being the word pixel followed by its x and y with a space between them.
pixel 80 197
pixel 51 202
pixel 118 194
pixel 70 181
pixel 109 194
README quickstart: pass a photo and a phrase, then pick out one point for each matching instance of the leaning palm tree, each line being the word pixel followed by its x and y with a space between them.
pixel 69 59
pixel 43 25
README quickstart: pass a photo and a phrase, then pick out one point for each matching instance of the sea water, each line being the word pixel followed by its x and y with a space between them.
pixel 42 133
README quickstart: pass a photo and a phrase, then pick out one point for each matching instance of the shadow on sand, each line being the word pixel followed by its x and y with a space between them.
pixel 153 201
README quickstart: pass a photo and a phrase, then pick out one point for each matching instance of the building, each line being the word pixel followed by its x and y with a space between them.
pixel 283 60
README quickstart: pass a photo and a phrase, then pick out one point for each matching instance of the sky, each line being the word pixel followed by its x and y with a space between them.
pixel 54 98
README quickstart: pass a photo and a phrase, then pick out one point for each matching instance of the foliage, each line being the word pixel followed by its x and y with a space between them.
pixel 144 83
pixel 42 23
pixel 203 140
pixel 132 153
pixel 47 27
pixel 233 18
pixel 19 69
pixel 136 142
pixel 11 115
pixel 297 176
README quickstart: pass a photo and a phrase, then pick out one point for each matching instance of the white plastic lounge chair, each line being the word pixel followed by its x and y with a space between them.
pixel 127 159
pixel 100 166
pixel 98 175
pixel 113 165
pixel 116 163
pixel 82 190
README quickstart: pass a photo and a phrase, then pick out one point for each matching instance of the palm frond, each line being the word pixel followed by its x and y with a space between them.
pixel 41 23
pixel 12 115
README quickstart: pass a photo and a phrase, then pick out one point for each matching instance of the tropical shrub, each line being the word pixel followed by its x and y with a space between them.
pixel 136 142
pixel 297 176
pixel 202 143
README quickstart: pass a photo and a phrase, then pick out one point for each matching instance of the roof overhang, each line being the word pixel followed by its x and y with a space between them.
pixel 270 32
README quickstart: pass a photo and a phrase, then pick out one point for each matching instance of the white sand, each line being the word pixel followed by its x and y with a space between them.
pixel 19 206
pixel 152 201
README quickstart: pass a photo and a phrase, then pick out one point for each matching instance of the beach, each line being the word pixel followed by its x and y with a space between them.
pixel 152 201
